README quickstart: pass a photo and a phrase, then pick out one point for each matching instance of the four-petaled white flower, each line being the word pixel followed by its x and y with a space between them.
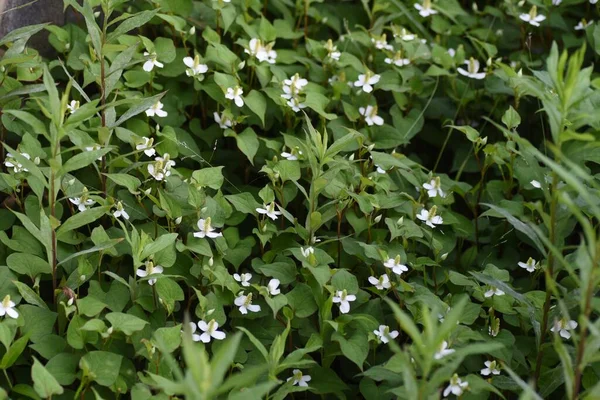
pixel 243 279
pixel 395 265
pixel 563 326
pixel 456 386
pixel 366 81
pixel 370 114
pixel 262 52
pixel 209 330
pixel 299 379
pixel 531 265
pixel 493 291
pixel 381 43
pixel 491 367
pixel 343 298
pixel 472 70
pixel 161 167
pixel 273 287
pixel 296 82
pixel 398 60
pixel 382 283
pixel 269 211
pixel 235 94
pixel 206 229
pixel 147 146
pixel 120 211
pixel 73 106
pixel 7 307
pixel 12 162
pixel 295 104
pixel 223 120
pixel 425 9
pixel 306 252
pixel 149 269
pixel 244 303
pixel 332 51
pixel 532 17
pixel 151 62
pixel 156 109
pixel 434 187
pixel 82 202
pixel 583 24
pixel 430 217
pixel 384 334
pixel 443 351
pixel 195 68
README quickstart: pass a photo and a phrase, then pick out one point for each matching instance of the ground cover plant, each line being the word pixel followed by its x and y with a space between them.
pixel 314 199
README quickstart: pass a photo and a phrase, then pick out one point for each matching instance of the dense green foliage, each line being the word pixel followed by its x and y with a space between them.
pixel 350 199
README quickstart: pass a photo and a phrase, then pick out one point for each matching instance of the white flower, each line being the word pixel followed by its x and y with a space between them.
pixel 381 43
pixel 306 252
pixel 430 218
pixel 370 114
pixel 395 265
pixel 425 9
pixel 493 291
pixel 452 52
pixel 244 279
pixel 269 211
pixel 273 287
pixel 94 148
pixel 146 146
pixel 583 24
pixel 491 367
pixel 82 202
pixel 382 283
pixel 536 184
pixel 151 62
pixel 73 106
pixel 456 386
pixel 332 51
pixel 531 265
pixel 149 269
pixel 343 298
pixel 235 94
pixel 157 110
pixel 398 60
pixel 292 155
pixel 384 334
pixel 295 82
pixel 161 167
pixel 404 35
pixel 262 52
pixel 120 211
pixel 11 162
pixel 532 17
pixel 593 1
pixel 379 169
pixel 443 351
pixel 366 81
pixel 434 188
pixel 556 2
pixel 295 104
pixel 210 331
pixel 7 307
pixel 195 336
pixel 472 70
pixel 563 327
pixel 299 378
pixel 194 67
pixel 206 230
pixel 244 303
pixel 223 120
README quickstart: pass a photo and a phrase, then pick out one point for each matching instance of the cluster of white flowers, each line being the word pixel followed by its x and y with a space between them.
pixel 160 169
pixel 292 90
pixel 262 52
pixel 12 162
pixel 398 59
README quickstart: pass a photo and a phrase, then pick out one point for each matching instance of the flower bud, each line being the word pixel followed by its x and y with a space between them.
pixel 444 256
pixel 211 262
pixel 178 220
pixel 377 219
pixel 192 31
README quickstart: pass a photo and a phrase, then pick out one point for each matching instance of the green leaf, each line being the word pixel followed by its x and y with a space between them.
pixel 318 102
pixel 139 106
pixel 101 366
pixel 243 202
pixel 161 243
pixel 247 142
pixel 257 343
pixel 302 301
pixel 511 118
pixel 13 352
pixel 257 103
pixel 126 323
pixel 38 126
pixel 211 177
pixel 29 295
pixel 28 264
pixel 82 160
pixel 80 219
pixel 169 292
pixel 44 382
pixel 131 23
